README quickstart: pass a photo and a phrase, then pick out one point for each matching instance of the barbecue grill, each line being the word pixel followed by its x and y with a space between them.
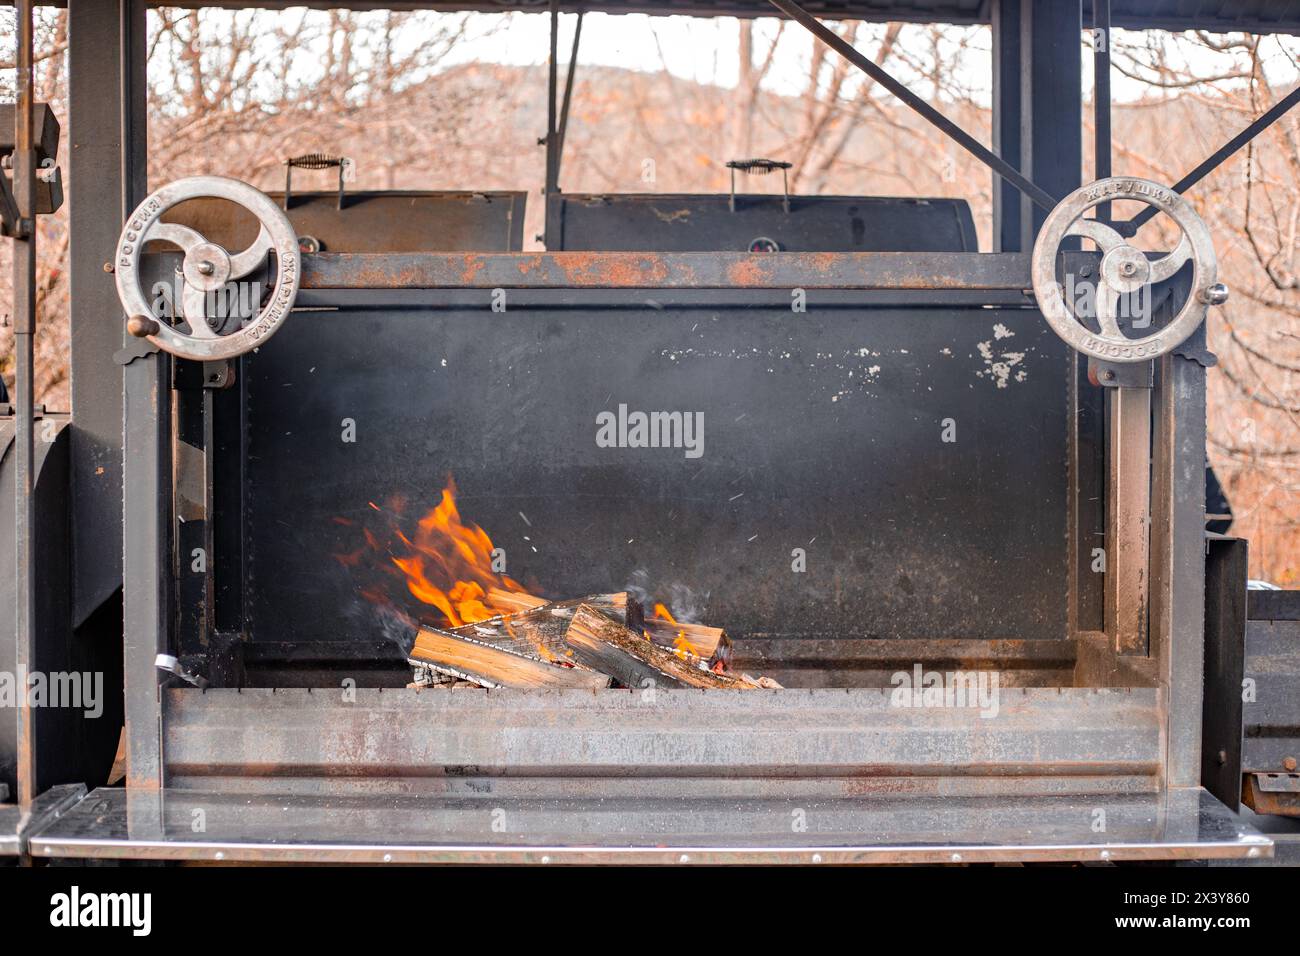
pixel 918 467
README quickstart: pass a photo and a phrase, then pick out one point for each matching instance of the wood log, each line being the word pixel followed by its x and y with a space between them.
pixel 631 659
pixel 538 632
pixel 490 666
pixel 512 602
pixel 710 644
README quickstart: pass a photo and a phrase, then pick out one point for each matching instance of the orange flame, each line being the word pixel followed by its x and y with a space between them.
pixel 681 645
pixel 450 565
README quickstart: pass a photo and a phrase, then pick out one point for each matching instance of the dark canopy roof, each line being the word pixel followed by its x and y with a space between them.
pixel 1255 16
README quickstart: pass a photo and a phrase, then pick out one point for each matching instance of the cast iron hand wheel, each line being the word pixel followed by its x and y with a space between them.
pixel 207 268
pixel 1124 269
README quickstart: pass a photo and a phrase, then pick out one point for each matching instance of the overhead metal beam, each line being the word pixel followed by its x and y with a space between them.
pixel 916 103
pixel 934 272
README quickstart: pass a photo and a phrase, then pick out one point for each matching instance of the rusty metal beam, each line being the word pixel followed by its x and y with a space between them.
pixel 929 271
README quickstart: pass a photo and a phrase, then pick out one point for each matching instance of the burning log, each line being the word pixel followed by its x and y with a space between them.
pixel 538 631
pixel 498 635
pixel 512 602
pixel 605 645
pixel 709 644
pixel 490 666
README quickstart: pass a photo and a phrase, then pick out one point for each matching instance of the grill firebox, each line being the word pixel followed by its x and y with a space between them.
pixel 972 558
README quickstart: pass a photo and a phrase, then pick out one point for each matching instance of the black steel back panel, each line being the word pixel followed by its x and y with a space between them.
pixel 823 431
pixel 707 223
pixel 390 221
pixel 1271 712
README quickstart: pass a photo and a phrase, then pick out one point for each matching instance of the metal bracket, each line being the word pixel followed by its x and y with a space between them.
pixel 172 665
pixel 1276 794
pixel 134 349
pixel 1195 353
pixel 313 161
pixel 49 199
pixel 761 167
pixel 8 410
pixel 190 376
pixel 219 375
pixel 1117 375
pixel 12 224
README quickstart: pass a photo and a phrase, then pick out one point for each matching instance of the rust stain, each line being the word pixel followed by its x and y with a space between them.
pixel 747 272
pixel 473 265
pixel 528 264
pixel 602 269
pixel 637 270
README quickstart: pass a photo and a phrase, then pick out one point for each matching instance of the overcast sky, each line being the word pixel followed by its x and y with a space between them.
pixel 705 49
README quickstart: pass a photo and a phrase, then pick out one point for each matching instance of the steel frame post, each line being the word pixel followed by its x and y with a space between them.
pixel 105 112
pixel 552 85
pixel 1007 119
pixel 24 311
pixel 147 498
pixel 1177 617
pixel 1051 142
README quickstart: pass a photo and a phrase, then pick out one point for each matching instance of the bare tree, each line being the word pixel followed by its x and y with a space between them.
pixel 238 92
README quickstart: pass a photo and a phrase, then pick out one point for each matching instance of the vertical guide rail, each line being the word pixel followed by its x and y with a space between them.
pixel 552 82
pixel 1128 507
pixel 1101 96
pixel 24 292
pixel 1007 112
pixel 147 576
pixel 1177 628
